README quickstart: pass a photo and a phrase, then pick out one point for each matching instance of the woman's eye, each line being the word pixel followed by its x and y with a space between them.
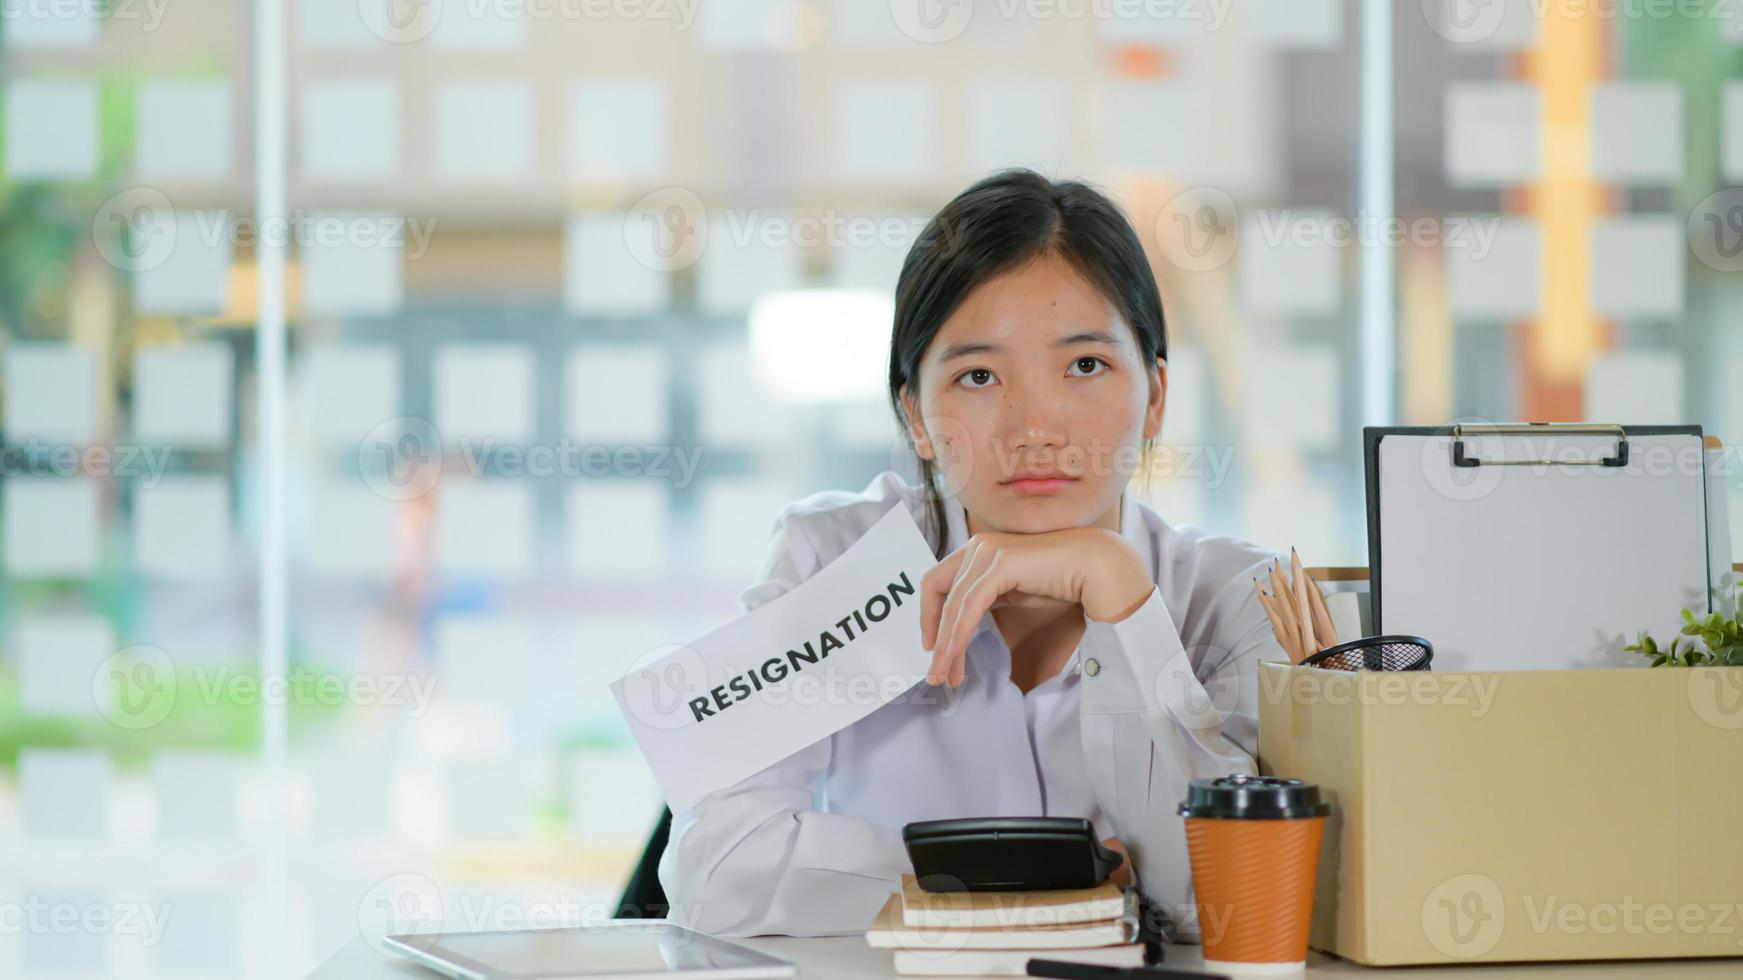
pixel 976 378
pixel 1093 363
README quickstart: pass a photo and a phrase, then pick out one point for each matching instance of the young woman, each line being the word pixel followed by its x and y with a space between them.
pixel 1088 659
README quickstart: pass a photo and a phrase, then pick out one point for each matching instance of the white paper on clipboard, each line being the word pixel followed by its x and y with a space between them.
pixel 1514 567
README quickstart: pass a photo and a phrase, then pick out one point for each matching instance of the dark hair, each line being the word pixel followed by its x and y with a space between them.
pixel 999 224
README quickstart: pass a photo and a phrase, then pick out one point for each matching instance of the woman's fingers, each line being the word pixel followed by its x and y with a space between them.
pixel 972 602
pixel 934 587
pixel 946 588
pixel 950 617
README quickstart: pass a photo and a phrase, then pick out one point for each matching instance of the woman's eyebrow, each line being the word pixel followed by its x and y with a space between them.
pixel 965 349
pixel 1088 337
pixel 980 347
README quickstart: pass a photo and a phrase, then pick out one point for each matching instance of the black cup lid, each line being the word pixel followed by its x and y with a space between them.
pixel 1245 797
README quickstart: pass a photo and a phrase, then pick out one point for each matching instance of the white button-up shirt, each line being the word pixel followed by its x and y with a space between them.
pixel 813 845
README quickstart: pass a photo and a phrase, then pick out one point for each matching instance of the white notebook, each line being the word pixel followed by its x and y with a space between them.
pixel 888 932
pixel 1003 910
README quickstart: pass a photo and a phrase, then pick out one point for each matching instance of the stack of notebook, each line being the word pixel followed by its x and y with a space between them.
pixel 997 933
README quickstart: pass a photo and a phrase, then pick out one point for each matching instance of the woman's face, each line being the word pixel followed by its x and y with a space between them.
pixel 1034 401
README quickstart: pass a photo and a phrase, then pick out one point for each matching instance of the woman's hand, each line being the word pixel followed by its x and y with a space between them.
pixel 1088 566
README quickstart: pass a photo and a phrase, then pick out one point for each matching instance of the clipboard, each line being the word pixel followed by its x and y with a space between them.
pixel 1538 545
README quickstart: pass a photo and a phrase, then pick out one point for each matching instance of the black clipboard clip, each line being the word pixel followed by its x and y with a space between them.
pixel 1462 459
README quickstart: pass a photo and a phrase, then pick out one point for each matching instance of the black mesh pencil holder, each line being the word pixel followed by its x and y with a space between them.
pixel 1375 653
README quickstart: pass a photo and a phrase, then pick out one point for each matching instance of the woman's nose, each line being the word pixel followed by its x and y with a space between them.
pixel 1035 425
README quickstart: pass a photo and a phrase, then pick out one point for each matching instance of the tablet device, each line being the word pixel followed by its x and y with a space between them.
pixel 978 854
pixel 633 949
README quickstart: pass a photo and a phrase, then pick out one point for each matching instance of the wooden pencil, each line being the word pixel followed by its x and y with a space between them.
pixel 1302 608
pixel 1279 597
pixel 1322 624
pixel 1285 637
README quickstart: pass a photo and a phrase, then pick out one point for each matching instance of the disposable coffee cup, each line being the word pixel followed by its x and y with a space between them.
pixel 1254 844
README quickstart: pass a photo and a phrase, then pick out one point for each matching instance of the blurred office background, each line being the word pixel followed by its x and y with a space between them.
pixel 578 295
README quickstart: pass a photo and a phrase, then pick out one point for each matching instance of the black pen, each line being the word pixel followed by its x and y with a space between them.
pixel 1087 971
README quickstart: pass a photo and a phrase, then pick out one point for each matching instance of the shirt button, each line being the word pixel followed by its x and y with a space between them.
pixel 1092 666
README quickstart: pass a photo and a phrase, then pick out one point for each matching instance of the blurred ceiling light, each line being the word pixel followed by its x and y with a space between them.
pixel 822 345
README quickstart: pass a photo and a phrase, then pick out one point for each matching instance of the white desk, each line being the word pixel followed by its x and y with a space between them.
pixel 849 956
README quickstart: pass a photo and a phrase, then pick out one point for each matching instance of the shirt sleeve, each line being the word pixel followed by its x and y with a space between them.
pixel 759 857
pixel 1157 712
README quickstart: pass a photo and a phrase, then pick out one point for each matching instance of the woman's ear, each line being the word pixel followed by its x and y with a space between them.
pixel 916 428
pixel 1158 397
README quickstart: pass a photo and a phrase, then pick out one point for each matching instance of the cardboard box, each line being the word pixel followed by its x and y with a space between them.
pixel 1520 816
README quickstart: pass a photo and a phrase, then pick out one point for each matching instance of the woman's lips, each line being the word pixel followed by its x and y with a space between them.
pixel 1030 486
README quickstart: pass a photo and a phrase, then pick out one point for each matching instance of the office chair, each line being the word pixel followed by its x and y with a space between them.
pixel 643 896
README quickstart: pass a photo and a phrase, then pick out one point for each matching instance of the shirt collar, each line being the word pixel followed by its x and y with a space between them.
pixel 1133 528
